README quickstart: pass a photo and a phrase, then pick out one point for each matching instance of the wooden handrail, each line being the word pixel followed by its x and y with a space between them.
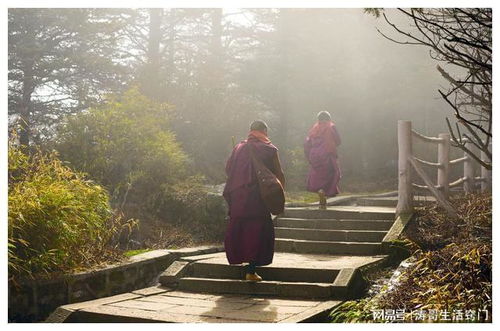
pixel 425 138
pixel 437 194
pixel 423 187
pixel 408 162
pixel 459 160
pixel 457 182
pixel 432 164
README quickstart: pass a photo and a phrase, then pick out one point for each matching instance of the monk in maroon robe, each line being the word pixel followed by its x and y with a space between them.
pixel 320 149
pixel 250 231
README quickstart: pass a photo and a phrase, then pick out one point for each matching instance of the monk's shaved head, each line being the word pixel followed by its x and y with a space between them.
pixel 324 116
pixel 258 125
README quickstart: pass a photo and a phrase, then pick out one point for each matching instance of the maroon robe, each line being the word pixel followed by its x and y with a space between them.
pixel 320 149
pixel 250 231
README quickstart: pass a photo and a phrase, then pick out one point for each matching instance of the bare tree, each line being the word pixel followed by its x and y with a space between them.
pixel 462 39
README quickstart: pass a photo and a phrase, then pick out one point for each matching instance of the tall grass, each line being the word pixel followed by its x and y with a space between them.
pixel 57 218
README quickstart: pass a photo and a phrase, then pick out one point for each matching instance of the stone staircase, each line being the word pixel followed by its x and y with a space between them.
pixel 339 230
pixel 319 261
pixel 392 201
pixel 319 254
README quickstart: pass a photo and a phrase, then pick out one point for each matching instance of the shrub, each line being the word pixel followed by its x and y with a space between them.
pixel 125 145
pixel 296 169
pixel 55 215
pixel 128 147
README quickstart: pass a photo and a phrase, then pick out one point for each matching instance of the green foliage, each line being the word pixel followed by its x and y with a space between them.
pixel 70 54
pixel 296 169
pixel 352 312
pixel 136 252
pixel 55 215
pixel 197 209
pixel 128 147
pixel 301 197
pixel 125 145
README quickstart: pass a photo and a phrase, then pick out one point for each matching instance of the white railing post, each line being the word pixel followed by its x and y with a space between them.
pixel 443 173
pixel 485 174
pixel 468 170
pixel 405 195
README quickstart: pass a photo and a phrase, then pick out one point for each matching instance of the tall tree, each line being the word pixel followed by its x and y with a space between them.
pixel 60 62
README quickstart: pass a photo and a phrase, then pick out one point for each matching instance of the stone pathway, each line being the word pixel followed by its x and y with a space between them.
pixel 320 255
pixel 159 304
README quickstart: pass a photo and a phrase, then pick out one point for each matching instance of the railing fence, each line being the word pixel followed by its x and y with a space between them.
pixel 407 162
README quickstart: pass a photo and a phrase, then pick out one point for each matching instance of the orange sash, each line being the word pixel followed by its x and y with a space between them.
pixel 260 136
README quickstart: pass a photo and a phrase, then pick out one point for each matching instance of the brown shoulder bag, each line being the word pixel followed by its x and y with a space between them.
pixel 271 189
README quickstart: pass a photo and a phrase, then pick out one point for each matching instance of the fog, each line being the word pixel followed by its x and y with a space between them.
pixel 221 69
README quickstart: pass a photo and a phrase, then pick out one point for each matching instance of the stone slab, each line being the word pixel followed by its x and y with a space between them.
pixel 111 314
pixel 102 301
pixel 201 269
pixel 329 224
pixel 152 290
pixel 343 212
pixel 329 235
pixel 328 247
pixel 185 307
pixel 308 261
pixel 142 305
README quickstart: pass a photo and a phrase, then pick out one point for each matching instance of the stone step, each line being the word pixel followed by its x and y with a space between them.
pixel 329 235
pixel 327 247
pixel 269 273
pixel 342 212
pixel 393 201
pixel 375 225
pixel 267 288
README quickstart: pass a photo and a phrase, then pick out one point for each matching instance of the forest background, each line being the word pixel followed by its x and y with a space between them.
pixel 120 117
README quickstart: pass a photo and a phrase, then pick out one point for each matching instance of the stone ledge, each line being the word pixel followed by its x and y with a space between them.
pixel 396 253
pixel 397 228
pixel 174 272
pixel 35 300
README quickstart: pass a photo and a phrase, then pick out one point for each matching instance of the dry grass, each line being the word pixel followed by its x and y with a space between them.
pixel 453 268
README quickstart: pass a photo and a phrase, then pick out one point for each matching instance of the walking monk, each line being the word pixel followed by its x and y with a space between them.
pixel 250 231
pixel 320 149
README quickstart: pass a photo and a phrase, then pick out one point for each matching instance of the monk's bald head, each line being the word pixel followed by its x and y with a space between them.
pixel 258 125
pixel 324 116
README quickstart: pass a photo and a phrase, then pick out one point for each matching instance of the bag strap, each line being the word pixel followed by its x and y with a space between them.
pixel 256 161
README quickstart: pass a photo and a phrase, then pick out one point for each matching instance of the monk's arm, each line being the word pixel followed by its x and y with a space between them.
pixel 229 163
pixel 336 136
pixel 278 172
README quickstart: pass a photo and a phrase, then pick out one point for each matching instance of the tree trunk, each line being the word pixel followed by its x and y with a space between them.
pixel 405 150
pixel 284 88
pixel 151 79
pixel 25 108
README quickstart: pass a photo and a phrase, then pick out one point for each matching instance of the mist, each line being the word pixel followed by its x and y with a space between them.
pixel 219 69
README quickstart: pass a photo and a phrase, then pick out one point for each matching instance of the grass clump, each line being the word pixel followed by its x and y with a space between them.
pixel 301 197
